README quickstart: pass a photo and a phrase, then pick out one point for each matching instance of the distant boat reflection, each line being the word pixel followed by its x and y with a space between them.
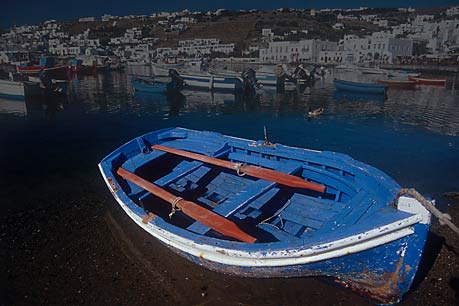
pixel 186 101
pixel 431 107
pixel 14 107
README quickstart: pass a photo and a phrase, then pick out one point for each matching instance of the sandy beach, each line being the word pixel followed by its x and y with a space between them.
pixel 76 247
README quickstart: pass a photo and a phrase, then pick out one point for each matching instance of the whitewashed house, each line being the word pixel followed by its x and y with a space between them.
pixel 381 47
pixel 295 51
pixel 452 11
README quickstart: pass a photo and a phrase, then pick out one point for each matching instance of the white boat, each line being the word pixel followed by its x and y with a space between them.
pixel 367 70
pixel 138 62
pixel 346 67
pixel 201 80
pixel 12 90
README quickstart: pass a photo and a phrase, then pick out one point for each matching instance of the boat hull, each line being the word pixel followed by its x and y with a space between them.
pixel 12 90
pixel 382 273
pixel 377 254
pixel 204 81
pixel 421 81
pixel 360 87
pixel 386 276
pixel 377 71
pixel 399 84
pixel 57 72
pixel 211 82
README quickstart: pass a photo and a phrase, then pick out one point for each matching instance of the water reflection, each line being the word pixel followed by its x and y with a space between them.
pixel 428 107
pixel 344 96
pixel 14 107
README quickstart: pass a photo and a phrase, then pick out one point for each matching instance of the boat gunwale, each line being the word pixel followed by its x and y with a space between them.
pixel 167 232
pixel 263 254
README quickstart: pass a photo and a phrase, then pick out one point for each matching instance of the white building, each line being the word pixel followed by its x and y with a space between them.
pixel 199 46
pixel 380 47
pixel 452 11
pixel 63 50
pixel 108 17
pixel 295 51
pixel 187 20
pixel 382 23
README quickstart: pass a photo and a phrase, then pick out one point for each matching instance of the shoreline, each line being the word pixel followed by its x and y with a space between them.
pixel 90 253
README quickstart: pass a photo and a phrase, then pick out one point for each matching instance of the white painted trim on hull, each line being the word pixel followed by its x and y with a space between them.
pixel 352 244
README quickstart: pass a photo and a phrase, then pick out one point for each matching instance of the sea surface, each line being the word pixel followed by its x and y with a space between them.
pixel 412 135
pixel 64 242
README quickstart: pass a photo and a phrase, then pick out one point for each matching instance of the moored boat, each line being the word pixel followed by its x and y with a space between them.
pixel 347 68
pixel 201 80
pixel 367 70
pixel 402 74
pixel 47 65
pixel 12 90
pixel 258 209
pixel 360 87
pixel 424 81
pixel 407 84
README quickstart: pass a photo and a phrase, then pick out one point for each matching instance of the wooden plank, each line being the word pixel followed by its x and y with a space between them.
pixel 181 170
pixel 193 210
pixel 255 171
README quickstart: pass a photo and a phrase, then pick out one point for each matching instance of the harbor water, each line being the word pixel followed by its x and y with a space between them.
pixel 51 189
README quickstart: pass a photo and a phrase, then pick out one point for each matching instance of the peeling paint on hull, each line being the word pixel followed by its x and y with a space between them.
pixel 381 275
pixel 368 244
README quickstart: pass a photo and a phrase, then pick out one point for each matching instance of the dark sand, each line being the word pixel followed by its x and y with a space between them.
pixel 74 246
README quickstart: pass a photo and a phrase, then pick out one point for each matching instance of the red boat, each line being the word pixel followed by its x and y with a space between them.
pixel 399 83
pixel 57 72
pixel 46 64
pixel 422 81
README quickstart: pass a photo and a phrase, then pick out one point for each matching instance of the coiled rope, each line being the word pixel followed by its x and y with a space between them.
pixel 442 217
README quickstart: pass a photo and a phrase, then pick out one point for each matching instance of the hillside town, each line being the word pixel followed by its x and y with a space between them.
pixel 328 36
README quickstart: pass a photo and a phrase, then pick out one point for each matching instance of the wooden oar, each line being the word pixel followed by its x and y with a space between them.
pixel 198 213
pixel 255 171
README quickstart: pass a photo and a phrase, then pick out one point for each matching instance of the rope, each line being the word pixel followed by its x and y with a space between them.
pixel 174 206
pixel 237 167
pixel 265 221
pixel 442 217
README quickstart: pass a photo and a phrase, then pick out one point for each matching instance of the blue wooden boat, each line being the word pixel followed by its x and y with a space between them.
pixel 257 209
pixel 360 87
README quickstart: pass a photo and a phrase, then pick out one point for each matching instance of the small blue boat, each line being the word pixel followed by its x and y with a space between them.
pixel 151 86
pixel 258 209
pixel 360 87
